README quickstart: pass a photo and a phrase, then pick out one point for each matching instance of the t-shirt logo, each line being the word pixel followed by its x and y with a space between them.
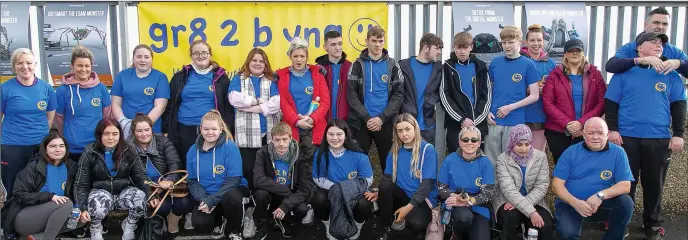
pixel 309 90
pixel 417 173
pixel 477 181
pixel 282 180
pixel 95 102
pixel 211 88
pixel 660 87
pixel 606 175
pixel 544 77
pixel 219 169
pixel 149 91
pixel 353 174
pixel 385 77
pixel 63 185
pixel 517 77
pixel 42 105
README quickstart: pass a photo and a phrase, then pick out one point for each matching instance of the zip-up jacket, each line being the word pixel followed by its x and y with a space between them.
pixel 456 103
pixel 358 115
pixel 93 173
pixel 165 157
pixel 264 174
pixel 196 189
pixel 430 96
pixel 342 102
pixel 288 106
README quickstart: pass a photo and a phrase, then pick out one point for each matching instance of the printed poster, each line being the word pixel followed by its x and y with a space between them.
pixel 484 20
pixel 14 33
pixel 560 22
pixel 67 25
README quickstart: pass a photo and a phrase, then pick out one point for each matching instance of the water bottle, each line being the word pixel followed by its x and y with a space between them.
pixel 532 234
pixel 74 218
pixel 446 215
pixel 375 206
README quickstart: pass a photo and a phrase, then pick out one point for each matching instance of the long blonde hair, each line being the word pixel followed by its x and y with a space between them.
pixel 214 115
pixel 567 66
pixel 397 144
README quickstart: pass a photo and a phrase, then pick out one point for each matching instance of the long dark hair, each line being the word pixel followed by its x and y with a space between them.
pixel 349 144
pixel 43 150
pixel 119 149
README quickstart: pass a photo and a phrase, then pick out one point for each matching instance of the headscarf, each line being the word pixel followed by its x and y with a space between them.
pixel 519 133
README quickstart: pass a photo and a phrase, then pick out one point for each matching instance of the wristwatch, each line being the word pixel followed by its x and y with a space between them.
pixel 600 195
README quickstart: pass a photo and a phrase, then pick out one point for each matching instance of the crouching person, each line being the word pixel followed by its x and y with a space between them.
pixel 111 176
pixel 282 183
pixel 216 180
pixel 339 164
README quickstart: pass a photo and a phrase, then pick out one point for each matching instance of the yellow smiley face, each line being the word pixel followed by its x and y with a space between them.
pixel 358 32
pixel 517 77
pixel 606 175
pixel 149 91
pixel 477 181
pixel 41 105
pixel 95 102
pixel 353 174
pixel 219 169
pixel 64 184
pixel 660 87
pixel 309 90
pixel 417 173
pixel 282 180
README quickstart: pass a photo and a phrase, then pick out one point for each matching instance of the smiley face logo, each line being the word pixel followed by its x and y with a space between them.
pixel 353 174
pixel 282 180
pixel 309 90
pixel 417 173
pixel 516 77
pixel 606 175
pixel 211 88
pixel 64 184
pixel 358 32
pixel 219 169
pixel 384 77
pixel 660 87
pixel 95 102
pixel 149 91
pixel 41 105
pixel 477 181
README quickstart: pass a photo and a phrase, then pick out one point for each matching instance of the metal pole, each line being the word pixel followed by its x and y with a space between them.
pixel 397 31
pixel 412 30
pixel 593 34
pixel 113 39
pixel 123 24
pixel 40 19
pixel 440 139
pixel 605 37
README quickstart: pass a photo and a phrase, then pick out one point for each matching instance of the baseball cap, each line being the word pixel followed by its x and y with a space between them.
pixel 573 44
pixel 649 36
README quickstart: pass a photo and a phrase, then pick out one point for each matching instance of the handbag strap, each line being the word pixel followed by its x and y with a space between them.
pixel 167 193
pixel 184 176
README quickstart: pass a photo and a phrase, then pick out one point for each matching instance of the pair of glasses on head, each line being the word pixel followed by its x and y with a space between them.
pixel 473 140
pixel 201 54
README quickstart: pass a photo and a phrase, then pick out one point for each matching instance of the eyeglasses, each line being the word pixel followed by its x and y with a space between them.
pixel 473 140
pixel 202 54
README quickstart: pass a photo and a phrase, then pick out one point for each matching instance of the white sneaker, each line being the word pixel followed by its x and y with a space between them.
pixel 187 222
pixel 327 230
pixel 219 231
pixel 249 226
pixel 234 236
pixel 96 231
pixel 308 219
pixel 128 230
pixel 358 233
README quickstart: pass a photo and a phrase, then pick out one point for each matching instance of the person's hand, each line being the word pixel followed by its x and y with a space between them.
pixel 154 202
pixel 653 61
pixel 374 124
pixel 490 119
pixel 303 124
pixel 508 206
pixel 583 208
pixel 467 123
pixel 84 217
pixel 278 214
pixel 670 65
pixel 203 208
pixel 308 119
pixel 594 202
pixel 261 101
pixel 371 196
pixel 166 184
pixel 676 144
pixel 454 201
pixel 615 138
pixel 503 111
pixel 536 220
pixel 59 200
pixel 541 85
pixel 574 126
pixel 402 212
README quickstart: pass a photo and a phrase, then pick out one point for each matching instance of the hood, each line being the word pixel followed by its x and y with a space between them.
pixel 324 60
pixel 543 55
pixel 364 55
pixel 70 79
pixel 220 140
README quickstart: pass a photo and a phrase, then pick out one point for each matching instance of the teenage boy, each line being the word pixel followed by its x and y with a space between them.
pixel 337 68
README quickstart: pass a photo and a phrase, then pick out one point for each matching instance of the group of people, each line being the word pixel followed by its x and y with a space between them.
pixel 286 146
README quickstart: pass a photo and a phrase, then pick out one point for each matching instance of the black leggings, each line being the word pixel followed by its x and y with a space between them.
pixel 509 220
pixel 465 222
pixel 266 203
pixel 14 158
pixel 558 142
pixel 232 208
pixel 321 207
pixel 187 138
pixel 392 197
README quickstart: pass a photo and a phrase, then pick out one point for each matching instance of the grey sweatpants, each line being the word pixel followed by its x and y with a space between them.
pixel 497 141
pixel 101 202
pixel 47 218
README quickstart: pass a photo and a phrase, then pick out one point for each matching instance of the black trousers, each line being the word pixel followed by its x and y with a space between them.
pixel 14 159
pixel 266 203
pixel 383 140
pixel 558 142
pixel 509 220
pixel 187 138
pixel 468 223
pixel 232 208
pixel 428 135
pixel 248 160
pixel 391 197
pixel 649 159
pixel 321 207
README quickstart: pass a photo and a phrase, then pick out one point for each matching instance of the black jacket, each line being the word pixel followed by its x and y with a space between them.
pixel 177 83
pixel 165 157
pixel 264 175
pixel 430 96
pixel 456 102
pixel 27 189
pixel 358 114
pixel 93 173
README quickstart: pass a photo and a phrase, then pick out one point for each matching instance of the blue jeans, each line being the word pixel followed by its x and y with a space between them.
pixel 618 211
pixel 178 206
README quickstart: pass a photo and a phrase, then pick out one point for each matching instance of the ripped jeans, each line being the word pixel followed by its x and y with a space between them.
pixel 101 202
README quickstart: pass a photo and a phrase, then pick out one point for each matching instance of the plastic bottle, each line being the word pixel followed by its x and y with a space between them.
pixel 446 215
pixel 74 217
pixel 532 234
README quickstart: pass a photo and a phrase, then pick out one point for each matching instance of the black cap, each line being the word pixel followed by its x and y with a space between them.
pixel 573 44
pixel 649 36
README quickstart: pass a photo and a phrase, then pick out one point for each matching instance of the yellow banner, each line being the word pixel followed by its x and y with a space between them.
pixel 233 29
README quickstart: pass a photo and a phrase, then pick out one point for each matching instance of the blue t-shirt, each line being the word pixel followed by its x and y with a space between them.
pixel 139 94
pixel 24 108
pixel 348 166
pixel 670 51
pixel 151 171
pixel 82 109
pixel 376 86
pixel 198 98
pixel 110 163
pixel 510 79
pixel 644 97
pixel 466 79
pixel 301 89
pixel 336 68
pixel 56 179
pixel 587 172
pixel 459 174
pixel 535 112
pixel 282 174
pixel 235 85
pixel 409 180
pixel 212 173
pixel 577 93
pixel 524 190
pixel 421 74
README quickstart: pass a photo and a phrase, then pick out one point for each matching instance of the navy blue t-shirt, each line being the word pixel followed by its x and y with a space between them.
pixel 348 166
pixel 214 166
pixel 535 112
pixel 421 74
pixel 139 94
pixel 376 87
pixel 26 104
pixel 409 179
pixel 301 89
pixel 644 97
pixel 467 78
pixel 56 179
pixel 82 109
pixel 235 85
pixel 577 93
pixel 469 176
pixel 282 174
pixel 336 68
pixel 510 79
pixel 198 98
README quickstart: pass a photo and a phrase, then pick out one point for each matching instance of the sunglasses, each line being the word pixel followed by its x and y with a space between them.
pixel 473 140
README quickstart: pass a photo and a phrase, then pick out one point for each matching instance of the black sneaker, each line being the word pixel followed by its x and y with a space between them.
pixel 219 231
pixel 654 233
pixel 286 231
pixel 261 234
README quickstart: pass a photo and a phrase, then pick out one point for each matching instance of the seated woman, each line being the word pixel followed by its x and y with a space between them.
pixel 409 179
pixel 41 201
pixel 160 157
pixel 111 176
pixel 467 183
pixel 339 159
pixel 215 179
pixel 523 176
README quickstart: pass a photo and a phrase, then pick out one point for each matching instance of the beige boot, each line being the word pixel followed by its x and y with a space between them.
pixel 173 223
